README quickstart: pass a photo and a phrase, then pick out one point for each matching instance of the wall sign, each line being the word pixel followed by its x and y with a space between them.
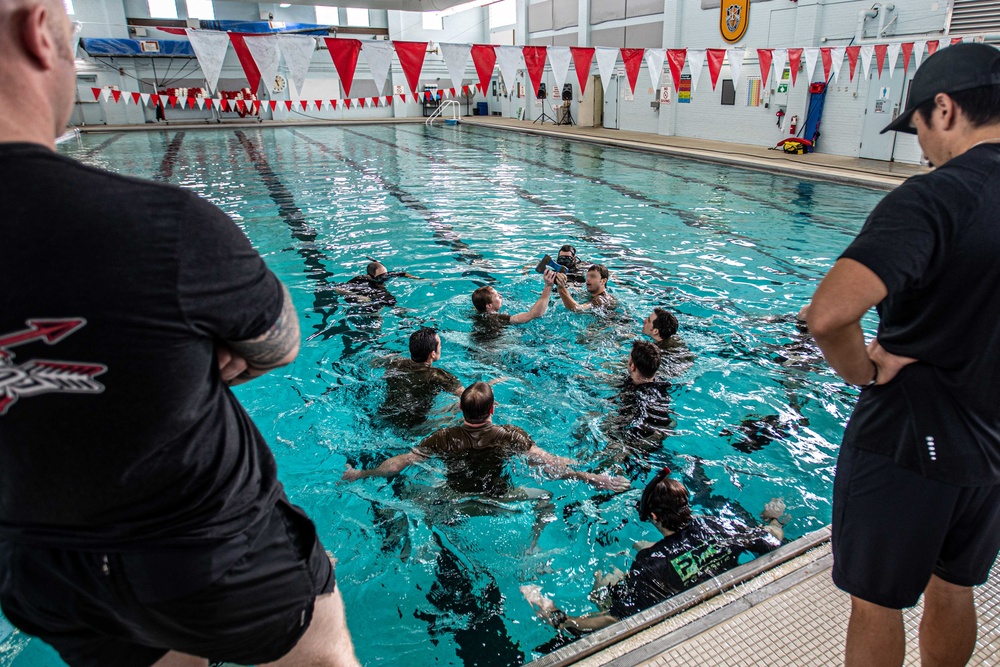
pixel 734 17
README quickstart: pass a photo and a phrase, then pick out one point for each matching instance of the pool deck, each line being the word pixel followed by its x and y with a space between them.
pixel 781 609
pixel 821 166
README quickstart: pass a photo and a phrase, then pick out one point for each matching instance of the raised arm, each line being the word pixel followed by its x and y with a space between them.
pixel 388 468
pixel 558 468
pixel 244 360
pixel 542 305
pixel 568 300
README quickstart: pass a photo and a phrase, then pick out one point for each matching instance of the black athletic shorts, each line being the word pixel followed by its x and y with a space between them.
pixel 246 601
pixel 893 528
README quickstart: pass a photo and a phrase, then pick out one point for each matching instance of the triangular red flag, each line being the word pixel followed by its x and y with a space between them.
pixel 715 57
pixel 794 59
pixel 288 105
pixel 192 101
pixel 852 58
pixel 224 104
pixel 347 103
pixel 453 93
pixel 208 102
pixel 388 99
pixel 427 95
pixel 827 57
pixel 956 40
pixel 135 98
pixel 375 102
pixel 402 96
pixel 675 57
pixel 880 51
pixel 361 102
pixel 246 60
pixel 932 47
pixel 465 90
pixel 633 61
pixel 273 104
pixel 485 59
pixel 411 59
pixel 172 101
pixel 583 58
pixel 155 99
pixel 907 52
pixel 305 104
pixel 344 53
pixel 117 94
pixel 764 55
pixel 97 94
pixel 534 60
pixel 241 106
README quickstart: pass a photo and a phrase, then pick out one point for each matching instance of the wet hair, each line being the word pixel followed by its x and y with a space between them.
pixel 646 358
pixel 423 342
pixel 568 248
pixel 664 322
pixel 600 268
pixel 668 500
pixel 373 268
pixel 482 297
pixel 476 402
pixel 981 106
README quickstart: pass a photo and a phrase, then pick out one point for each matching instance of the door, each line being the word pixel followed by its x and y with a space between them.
pixel 885 101
pixel 87 110
pixel 611 105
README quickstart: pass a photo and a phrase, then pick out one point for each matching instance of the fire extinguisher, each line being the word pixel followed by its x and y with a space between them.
pixel 780 115
pixel 793 124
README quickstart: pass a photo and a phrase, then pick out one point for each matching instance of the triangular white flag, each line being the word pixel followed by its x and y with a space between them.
pixel 894 48
pixel 696 63
pixel 264 51
pixel 606 58
pixel 456 57
pixel 837 61
pixel 145 99
pixel 918 53
pixel 298 52
pixel 210 48
pixel 201 102
pixel 736 63
pixel 779 59
pixel 867 51
pixel 379 55
pixel 812 55
pixel 127 98
pixel 509 59
pixel 106 93
pixel 559 57
pixel 654 61
pixel 181 101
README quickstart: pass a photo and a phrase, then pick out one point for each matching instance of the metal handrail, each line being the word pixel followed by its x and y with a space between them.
pixel 455 107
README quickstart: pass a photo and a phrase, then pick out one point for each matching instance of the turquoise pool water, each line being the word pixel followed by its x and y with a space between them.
pixel 429 579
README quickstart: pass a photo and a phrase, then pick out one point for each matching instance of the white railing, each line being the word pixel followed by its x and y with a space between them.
pixel 456 110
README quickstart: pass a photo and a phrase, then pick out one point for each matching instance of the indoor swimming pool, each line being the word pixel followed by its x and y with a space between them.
pixel 431 577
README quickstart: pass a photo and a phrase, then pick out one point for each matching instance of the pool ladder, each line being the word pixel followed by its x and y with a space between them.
pixel 455 107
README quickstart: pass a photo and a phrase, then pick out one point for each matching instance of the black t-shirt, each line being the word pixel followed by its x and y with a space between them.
pixel 935 243
pixel 488 327
pixel 371 293
pixel 644 411
pixel 411 387
pixel 476 457
pixel 703 549
pixel 121 429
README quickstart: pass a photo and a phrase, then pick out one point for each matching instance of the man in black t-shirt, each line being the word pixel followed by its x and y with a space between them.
pixel 916 499
pixel 476 453
pixel 661 326
pixel 412 384
pixel 369 291
pixel 140 512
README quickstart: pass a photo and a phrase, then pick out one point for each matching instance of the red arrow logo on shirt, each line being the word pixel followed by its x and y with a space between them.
pixel 51 331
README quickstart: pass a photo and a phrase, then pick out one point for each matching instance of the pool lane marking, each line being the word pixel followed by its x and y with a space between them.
pixel 169 158
pixel 91 152
pixel 690 179
pixel 441 230
pixel 685 216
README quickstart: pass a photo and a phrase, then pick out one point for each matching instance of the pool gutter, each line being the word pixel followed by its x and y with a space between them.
pixel 607 637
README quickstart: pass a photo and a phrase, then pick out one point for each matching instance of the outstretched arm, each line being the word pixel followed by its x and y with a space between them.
pixel 568 301
pixel 388 468
pixel 244 360
pixel 558 468
pixel 541 306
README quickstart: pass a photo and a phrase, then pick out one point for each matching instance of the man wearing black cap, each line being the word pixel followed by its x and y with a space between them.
pixel 916 500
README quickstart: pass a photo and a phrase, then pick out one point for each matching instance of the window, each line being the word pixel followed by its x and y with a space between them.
pixel 162 9
pixel 327 15
pixel 503 13
pixel 357 17
pixel 433 21
pixel 201 9
pixel 68 4
pixel 728 93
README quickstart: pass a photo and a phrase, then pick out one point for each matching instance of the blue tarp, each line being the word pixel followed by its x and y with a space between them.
pixel 265 27
pixel 169 48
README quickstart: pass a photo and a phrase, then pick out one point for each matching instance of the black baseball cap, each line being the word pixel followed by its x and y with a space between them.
pixel 955 68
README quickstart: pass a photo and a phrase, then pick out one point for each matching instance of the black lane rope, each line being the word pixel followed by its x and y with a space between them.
pixel 91 152
pixel 169 159
pixel 685 216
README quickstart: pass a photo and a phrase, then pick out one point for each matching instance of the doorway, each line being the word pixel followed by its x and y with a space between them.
pixel 610 120
pixel 885 101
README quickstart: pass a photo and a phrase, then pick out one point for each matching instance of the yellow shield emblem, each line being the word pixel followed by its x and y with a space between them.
pixel 734 17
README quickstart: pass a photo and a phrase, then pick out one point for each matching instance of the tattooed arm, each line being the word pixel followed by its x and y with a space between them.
pixel 244 360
